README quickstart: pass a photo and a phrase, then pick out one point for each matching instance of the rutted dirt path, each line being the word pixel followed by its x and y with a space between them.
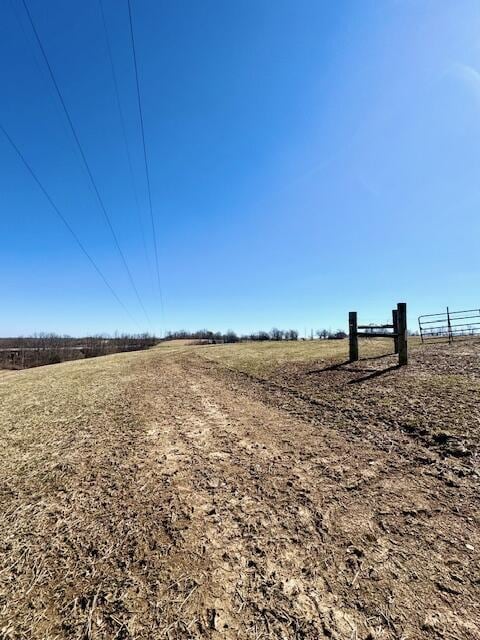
pixel 157 499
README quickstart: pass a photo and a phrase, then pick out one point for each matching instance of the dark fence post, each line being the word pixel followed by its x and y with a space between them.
pixel 450 334
pixel 352 331
pixel 402 333
pixel 395 329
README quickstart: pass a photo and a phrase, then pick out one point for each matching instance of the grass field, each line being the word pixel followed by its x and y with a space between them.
pixel 258 357
pixel 258 490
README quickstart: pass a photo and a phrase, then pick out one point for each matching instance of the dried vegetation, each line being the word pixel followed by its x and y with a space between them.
pixel 247 491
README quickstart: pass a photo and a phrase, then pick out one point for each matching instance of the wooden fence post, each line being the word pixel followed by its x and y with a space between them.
pixel 395 329
pixel 450 334
pixel 402 333
pixel 352 331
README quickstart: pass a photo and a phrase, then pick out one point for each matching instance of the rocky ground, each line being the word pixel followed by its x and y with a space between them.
pixel 242 492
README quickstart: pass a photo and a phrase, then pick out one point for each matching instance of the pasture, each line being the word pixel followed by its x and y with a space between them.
pixel 255 490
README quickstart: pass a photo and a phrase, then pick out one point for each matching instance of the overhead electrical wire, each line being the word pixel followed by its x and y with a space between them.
pixel 124 132
pixel 65 222
pixel 147 173
pixel 85 162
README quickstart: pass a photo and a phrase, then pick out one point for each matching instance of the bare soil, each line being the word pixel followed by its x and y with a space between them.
pixel 265 491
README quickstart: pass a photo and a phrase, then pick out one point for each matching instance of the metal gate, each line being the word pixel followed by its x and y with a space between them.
pixel 449 325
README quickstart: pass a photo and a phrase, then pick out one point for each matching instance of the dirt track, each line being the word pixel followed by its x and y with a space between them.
pixel 160 495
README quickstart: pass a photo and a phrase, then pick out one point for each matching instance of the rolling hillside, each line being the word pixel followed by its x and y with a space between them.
pixel 243 491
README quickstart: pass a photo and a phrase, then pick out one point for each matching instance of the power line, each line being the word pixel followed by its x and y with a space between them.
pixel 124 132
pixel 87 167
pixel 65 222
pixel 147 173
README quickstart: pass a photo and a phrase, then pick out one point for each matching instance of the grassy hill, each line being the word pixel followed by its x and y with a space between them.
pixel 242 491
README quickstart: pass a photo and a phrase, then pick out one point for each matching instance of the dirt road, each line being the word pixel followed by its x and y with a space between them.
pixel 159 495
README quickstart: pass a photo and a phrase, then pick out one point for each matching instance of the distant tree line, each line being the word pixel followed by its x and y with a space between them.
pixel 50 348
pixel 204 335
pixel 217 337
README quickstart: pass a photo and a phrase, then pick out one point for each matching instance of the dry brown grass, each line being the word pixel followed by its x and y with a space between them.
pixel 262 357
pixel 241 491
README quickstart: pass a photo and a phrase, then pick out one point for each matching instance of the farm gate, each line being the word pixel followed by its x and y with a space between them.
pixel 449 325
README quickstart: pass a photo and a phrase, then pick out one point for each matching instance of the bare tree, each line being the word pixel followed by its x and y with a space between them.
pixel 276 334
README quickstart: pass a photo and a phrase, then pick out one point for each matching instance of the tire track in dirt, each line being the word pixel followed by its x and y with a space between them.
pixel 398 499
pixel 235 522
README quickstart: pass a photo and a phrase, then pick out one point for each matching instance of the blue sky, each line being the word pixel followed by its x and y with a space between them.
pixel 306 158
